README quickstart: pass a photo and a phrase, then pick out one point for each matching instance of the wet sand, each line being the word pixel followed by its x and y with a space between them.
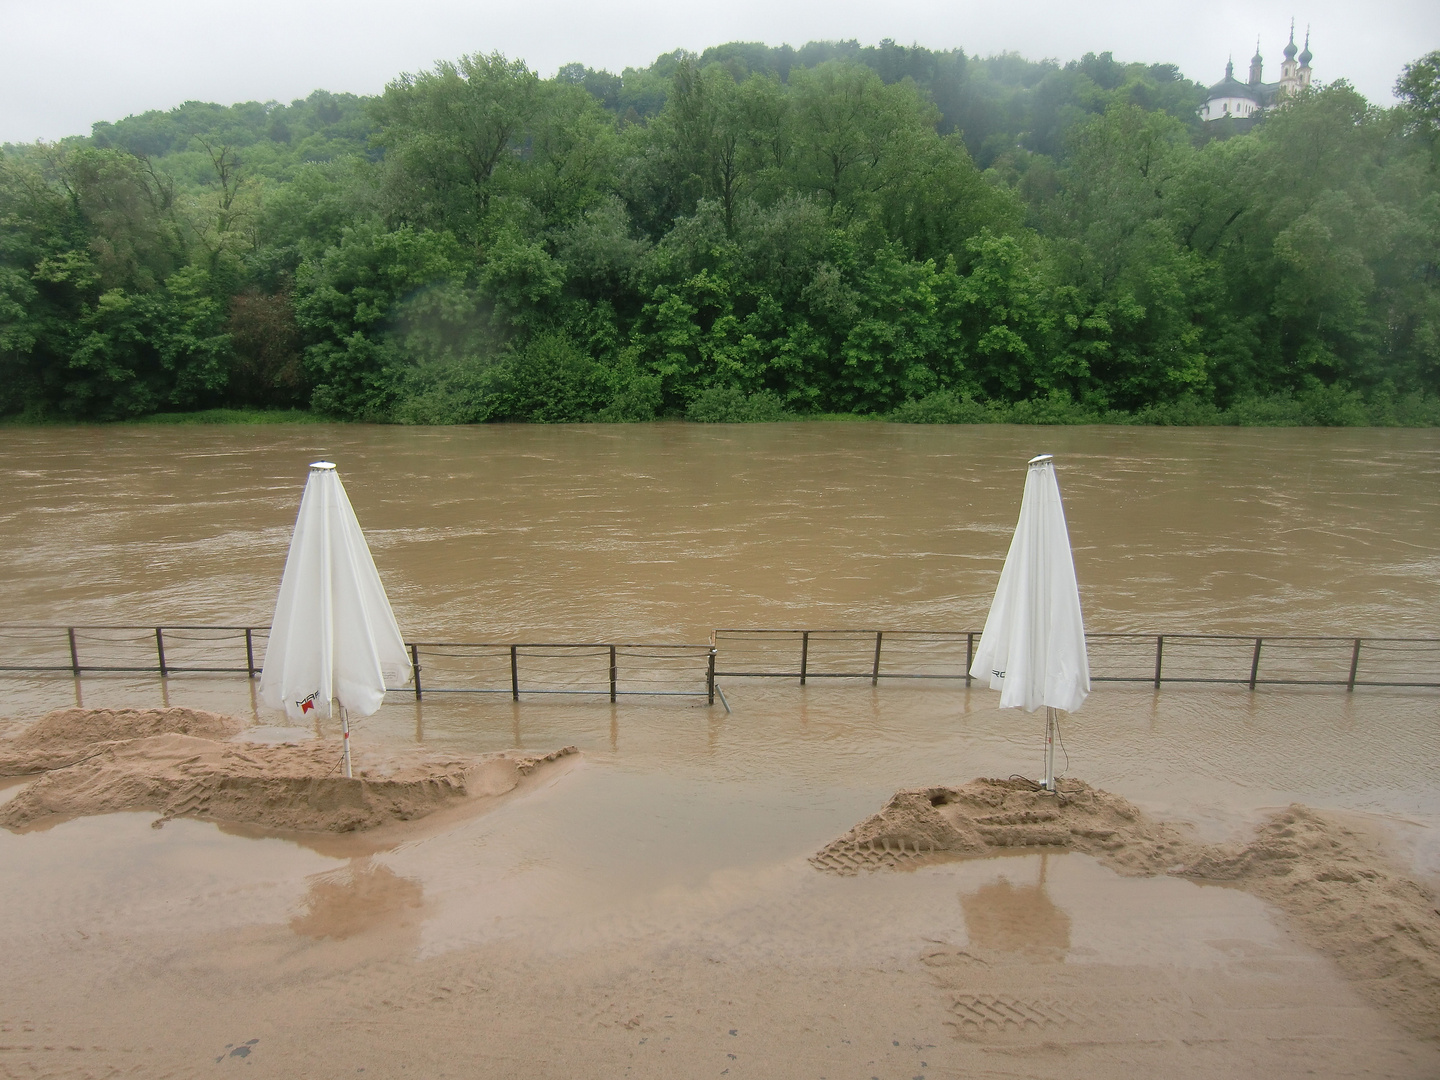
pixel 1334 879
pixel 172 958
pixel 593 922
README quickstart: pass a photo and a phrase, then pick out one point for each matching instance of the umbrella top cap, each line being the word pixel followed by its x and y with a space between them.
pixel 322 466
pixel 1042 459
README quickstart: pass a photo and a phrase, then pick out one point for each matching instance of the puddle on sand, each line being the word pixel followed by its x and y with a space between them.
pixel 361 897
pixel 10 786
pixel 606 884
pixel 600 856
pixel 1052 908
pixel 1016 918
pixel 114 874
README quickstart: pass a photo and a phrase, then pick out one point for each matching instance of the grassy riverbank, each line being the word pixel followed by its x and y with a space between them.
pixel 236 416
pixel 203 416
pixel 1315 406
pixel 1319 406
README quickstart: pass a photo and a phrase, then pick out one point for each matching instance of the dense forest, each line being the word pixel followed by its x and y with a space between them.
pixel 750 233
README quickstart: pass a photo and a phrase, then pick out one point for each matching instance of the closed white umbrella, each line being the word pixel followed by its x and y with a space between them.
pixel 1033 646
pixel 334 636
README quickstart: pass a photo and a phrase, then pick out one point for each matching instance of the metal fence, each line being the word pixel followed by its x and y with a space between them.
pixel 1247 660
pixel 616 670
pixel 164 650
pixel 605 669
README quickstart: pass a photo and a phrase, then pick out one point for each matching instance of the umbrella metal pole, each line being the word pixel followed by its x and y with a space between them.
pixel 1049 749
pixel 345 738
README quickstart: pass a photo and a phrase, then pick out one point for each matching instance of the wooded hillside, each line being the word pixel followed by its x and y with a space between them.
pixel 743 234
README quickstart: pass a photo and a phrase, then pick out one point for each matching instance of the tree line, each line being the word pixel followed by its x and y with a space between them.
pixel 750 233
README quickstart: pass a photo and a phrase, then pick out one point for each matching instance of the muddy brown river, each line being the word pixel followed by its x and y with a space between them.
pixel 670 530
pixel 685 815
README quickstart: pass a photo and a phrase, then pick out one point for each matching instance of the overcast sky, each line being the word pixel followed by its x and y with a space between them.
pixel 67 63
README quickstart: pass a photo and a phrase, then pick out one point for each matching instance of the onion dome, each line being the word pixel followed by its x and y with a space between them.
pixel 1290 49
pixel 1307 55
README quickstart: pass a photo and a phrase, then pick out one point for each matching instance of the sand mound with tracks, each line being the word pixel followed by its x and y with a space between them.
pixel 1334 883
pixel 65 736
pixel 183 763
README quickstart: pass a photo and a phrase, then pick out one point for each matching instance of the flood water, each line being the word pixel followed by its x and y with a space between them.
pixel 667 531
pixel 684 814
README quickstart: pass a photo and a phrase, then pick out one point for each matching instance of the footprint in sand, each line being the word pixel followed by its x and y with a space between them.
pixel 241 1051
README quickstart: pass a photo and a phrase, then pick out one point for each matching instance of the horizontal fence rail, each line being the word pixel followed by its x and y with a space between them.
pixel 845 654
pixel 615 669
pixel 605 669
pixel 1157 659
pixel 608 669
pixel 164 650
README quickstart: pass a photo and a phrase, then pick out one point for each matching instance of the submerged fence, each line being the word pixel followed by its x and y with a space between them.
pixel 1258 660
pixel 588 668
pixel 165 650
pixel 616 670
pixel 606 669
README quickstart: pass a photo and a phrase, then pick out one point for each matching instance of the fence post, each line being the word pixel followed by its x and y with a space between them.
pixel 710 678
pixel 1255 663
pixel 74 654
pixel 969 654
pixel 160 651
pixel 875 671
pixel 612 672
pixel 1354 666
pixel 415 667
pixel 1159 656
pixel 514 674
pixel 804 654
pixel 249 652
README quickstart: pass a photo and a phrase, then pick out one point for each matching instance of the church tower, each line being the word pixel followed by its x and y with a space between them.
pixel 1305 58
pixel 1257 63
pixel 1289 69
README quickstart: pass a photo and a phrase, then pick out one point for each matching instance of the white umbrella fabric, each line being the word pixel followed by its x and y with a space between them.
pixel 334 636
pixel 1033 647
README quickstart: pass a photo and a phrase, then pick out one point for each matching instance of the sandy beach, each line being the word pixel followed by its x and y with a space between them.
pixel 978 929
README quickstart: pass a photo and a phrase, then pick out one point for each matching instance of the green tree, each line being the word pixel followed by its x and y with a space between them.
pixel 149 352
pixel 450 136
pixel 345 306
pixel 852 133
pixel 1418 89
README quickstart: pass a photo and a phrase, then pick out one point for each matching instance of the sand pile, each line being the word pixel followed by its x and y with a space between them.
pixel 63 737
pixel 1344 898
pixel 157 760
pixel 988 815
pixel 1334 883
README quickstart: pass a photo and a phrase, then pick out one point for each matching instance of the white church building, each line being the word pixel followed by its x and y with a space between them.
pixel 1231 99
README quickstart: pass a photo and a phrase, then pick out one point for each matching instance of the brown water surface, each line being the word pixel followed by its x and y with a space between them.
pixel 683 833
pixel 666 531
pixel 669 530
